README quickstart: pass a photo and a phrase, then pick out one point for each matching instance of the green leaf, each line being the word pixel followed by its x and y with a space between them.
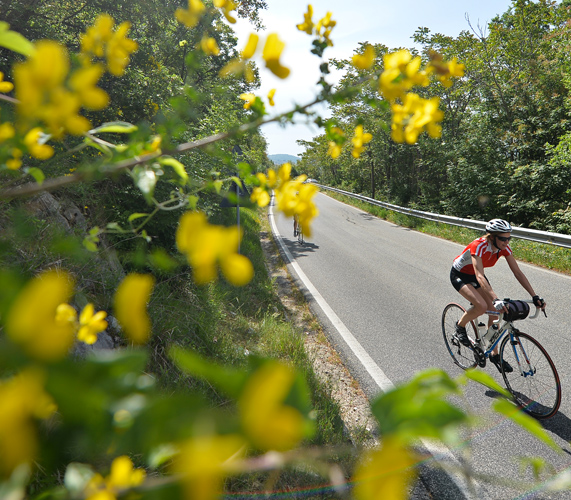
pixel 14 41
pixel 226 379
pixel 135 216
pixel 218 186
pixel 518 416
pixel 37 174
pixel 487 381
pixel 238 181
pixel 419 408
pixel 117 127
pixel 89 244
pixel 114 226
pixel 176 165
pixel 192 202
pixel 162 260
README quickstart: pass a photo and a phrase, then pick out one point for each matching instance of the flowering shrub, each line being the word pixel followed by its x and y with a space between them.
pixel 108 404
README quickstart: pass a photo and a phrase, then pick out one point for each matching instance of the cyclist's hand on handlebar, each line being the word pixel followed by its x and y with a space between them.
pixel 500 305
pixel 540 303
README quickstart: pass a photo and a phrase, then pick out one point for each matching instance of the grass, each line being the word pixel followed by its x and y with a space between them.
pixel 544 255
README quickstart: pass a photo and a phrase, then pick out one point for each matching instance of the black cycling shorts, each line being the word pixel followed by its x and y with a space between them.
pixel 459 279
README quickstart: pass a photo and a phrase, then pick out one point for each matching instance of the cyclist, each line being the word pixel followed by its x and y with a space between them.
pixel 295 223
pixel 468 278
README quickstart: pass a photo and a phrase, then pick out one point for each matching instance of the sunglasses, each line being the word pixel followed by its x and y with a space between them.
pixel 504 238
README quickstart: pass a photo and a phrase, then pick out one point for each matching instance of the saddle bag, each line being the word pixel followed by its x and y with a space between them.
pixel 517 309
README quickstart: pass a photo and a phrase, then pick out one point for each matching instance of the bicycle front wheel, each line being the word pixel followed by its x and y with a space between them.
pixel 300 235
pixel 463 356
pixel 534 381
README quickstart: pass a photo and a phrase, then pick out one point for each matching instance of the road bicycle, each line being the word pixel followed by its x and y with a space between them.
pixel 534 382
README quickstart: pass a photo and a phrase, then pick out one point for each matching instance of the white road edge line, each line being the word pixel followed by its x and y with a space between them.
pixel 437 450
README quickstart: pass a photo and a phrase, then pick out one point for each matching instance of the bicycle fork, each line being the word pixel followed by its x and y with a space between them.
pixel 521 359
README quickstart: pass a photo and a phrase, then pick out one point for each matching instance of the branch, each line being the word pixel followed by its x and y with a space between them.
pixel 33 188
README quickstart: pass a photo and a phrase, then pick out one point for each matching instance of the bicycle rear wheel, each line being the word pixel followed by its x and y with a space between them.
pixel 534 382
pixel 300 235
pixel 463 356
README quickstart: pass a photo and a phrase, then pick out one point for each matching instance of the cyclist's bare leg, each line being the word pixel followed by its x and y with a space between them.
pixel 478 302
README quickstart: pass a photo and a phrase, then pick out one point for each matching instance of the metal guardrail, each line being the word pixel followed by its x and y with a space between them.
pixel 562 240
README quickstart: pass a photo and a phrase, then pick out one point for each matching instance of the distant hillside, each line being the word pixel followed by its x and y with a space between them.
pixel 280 159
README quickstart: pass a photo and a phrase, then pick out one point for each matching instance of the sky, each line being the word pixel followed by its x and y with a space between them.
pixel 389 22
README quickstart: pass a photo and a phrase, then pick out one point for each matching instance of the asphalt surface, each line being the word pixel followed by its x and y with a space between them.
pixel 379 290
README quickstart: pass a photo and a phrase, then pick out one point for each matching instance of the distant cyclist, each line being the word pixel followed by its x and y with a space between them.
pixel 468 278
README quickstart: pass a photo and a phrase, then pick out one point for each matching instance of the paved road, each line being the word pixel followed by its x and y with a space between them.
pixel 388 286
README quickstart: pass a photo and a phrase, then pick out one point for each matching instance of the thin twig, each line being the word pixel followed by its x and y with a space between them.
pixel 67 180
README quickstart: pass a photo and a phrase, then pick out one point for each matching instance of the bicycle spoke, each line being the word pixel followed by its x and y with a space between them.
pixel 534 382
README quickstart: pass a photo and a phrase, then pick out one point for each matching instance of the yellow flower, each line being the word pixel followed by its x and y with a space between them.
pixel 241 65
pixel 15 163
pixel 268 422
pixel 5 86
pixel 359 139
pixel 206 245
pixel 251 45
pixel 271 54
pixel 204 462
pixel 260 196
pixel 94 40
pixel 385 473
pixel 227 6
pixel 119 49
pixel 101 41
pixel 445 70
pixel 35 148
pixel 293 197
pixel 366 59
pixel 90 324
pixel 334 150
pixel 327 24
pixel 271 95
pixel 284 173
pixel 130 306
pixel 401 73
pixel 209 46
pixel 83 82
pixel 249 98
pixel 123 476
pixel 22 399
pixel 66 314
pixel 31 321
pixel 7 131
pixel 41 91
pixel 307 25
pixel 191 16
pixel 414 116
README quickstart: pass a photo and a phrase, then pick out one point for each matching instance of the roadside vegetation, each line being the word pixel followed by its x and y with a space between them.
pixel 549 256
pixel 129 133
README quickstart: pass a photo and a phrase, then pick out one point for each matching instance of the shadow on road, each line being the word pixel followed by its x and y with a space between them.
pixel 297 249
pixel 559 424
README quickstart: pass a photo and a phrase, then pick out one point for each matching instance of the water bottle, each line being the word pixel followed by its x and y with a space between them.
pixel 493 333
pixel 482 330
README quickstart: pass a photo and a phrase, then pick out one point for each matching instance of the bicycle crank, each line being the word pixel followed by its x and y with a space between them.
pixel 479 356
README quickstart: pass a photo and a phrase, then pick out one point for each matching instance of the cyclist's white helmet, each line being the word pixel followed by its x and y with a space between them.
pixel 498 226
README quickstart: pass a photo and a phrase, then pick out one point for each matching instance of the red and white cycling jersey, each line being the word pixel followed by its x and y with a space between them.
pixel 482 248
